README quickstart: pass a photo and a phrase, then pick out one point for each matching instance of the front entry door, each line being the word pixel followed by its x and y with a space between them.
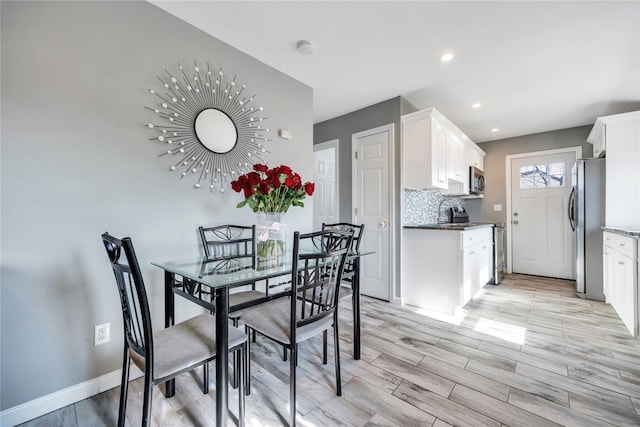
pixel 542 240
pixel 372 206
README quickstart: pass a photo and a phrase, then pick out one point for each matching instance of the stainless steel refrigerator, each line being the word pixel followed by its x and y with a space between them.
pixel 586 215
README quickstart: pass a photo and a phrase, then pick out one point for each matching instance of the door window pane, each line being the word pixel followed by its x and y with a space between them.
pixel 542 175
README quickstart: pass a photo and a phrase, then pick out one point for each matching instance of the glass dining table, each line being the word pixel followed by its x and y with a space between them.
pixel 207 283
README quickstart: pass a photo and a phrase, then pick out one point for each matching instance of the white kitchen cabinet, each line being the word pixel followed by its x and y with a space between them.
pixel 424 151
pixel 475 156
pixel 618 136
pixel 443 269
pixel 457 167
pixel 620 276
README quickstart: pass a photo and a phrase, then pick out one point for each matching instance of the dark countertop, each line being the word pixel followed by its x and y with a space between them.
pixel 451 226
pixel 626 231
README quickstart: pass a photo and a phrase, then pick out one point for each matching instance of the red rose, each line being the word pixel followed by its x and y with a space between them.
pixel 248 192
pixel 288 182
pixel 237 187
pixel 285 170
pixel 309 187
pixel 264 188
pixel 260 168
pixel 253 178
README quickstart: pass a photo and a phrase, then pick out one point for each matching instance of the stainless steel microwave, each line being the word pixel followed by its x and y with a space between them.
pixel 476 180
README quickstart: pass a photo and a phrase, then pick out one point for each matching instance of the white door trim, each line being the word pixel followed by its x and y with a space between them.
pixel 326 145
pixel 394 228
pixel 509 248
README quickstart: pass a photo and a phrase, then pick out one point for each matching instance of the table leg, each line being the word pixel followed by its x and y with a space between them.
pixel 222 356
pixel 169 320
pixel 356 309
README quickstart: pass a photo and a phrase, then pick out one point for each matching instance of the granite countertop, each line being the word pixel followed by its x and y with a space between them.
pixel 452 226
pixel 627 231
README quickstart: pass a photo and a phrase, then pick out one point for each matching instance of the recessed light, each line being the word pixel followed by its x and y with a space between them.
pixel 476 105
pixel 495 130
pixel 446 57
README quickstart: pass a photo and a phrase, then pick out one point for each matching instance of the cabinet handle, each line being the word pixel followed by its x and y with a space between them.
pixel 621 262
pixel 621 244
pixel 484 247
pixel 471 253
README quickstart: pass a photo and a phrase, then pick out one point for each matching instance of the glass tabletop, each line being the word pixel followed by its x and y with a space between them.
pixel 230 272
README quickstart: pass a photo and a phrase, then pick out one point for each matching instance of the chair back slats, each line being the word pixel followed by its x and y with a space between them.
pixel 317 274
pixel 228 241
pixel 133 296
pixel 357 231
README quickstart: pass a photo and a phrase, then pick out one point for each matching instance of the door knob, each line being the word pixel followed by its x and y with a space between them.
pixel 515 221
pixel 382 224
pixel 515 214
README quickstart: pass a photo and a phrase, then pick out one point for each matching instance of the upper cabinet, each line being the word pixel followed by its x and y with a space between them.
pixel 424 151
pixel 436 154
pixel 619 137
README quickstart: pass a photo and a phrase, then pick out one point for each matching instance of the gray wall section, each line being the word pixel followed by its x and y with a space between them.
pixel 77 161
pixel 495 167
pixel 342 128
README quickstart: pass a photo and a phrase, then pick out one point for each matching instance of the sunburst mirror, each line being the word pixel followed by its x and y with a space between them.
pixel 207 122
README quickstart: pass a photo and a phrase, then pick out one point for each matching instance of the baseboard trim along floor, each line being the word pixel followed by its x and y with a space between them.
pixel 61 398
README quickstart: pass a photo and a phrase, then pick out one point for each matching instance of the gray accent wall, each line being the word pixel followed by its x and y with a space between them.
pixel 495 166
pixel 77 161
pixel 342 128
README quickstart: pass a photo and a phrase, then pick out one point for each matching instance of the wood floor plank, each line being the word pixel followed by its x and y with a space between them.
pixel 415 374
pixel 442 408
pixel 557 413
pixel 575 386
pixel 498 410
pixel 396 410
pixel 519 356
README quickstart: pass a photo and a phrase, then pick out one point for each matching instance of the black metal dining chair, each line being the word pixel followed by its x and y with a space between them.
pixel 348 276
pixel 167 353
pixel 312 303
pixel 234 244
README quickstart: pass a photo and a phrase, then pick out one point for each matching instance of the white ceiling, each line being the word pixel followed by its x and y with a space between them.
pixel 534 66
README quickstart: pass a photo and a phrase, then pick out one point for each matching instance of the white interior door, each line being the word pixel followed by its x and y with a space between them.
pixel 542 241
pixel 325 177
pixel 372 206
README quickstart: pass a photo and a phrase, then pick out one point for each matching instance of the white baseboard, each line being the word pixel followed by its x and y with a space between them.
pixel 398 301
pixel 61 398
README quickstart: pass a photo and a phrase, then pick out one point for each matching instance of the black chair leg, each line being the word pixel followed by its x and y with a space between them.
pixel 124 387
pixel 236 363
pixel 241 383
pixel 324 347
pixel 284 354
pixel 146 407
pixel 336 340
pixel 292 385
pixel 205 378
pixel 247 363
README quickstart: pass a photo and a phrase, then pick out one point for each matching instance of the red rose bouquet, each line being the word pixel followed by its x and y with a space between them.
pixel 272 190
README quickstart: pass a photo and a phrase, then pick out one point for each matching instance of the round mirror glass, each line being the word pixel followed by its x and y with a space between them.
pixel 216 130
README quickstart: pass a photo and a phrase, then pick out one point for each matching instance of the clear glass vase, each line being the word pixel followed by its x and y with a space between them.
pixel 271 239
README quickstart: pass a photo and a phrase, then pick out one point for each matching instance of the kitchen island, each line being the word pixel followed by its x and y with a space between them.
pixel 445 265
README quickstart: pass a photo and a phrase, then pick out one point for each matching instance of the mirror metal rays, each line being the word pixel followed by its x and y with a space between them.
pixel 208 125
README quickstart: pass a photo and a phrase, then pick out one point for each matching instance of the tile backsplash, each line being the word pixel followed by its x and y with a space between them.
pixel 421 206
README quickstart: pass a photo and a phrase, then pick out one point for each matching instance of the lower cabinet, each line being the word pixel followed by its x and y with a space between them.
pixel 443 269
pixel 620 276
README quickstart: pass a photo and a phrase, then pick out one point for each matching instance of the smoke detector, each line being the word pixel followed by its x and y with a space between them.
pixel 305 47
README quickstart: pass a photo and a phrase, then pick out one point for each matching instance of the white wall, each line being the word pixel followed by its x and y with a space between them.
pixel 76 161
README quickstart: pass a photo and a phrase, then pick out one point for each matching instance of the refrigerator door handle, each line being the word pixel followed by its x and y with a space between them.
pixel 571 209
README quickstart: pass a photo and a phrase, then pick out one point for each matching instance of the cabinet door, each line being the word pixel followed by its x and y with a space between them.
pixel 486 263
pixel 470 273
pixel 626 280
pixel 416 152
pixel 607 270
pixel 439 152
pixel 455 160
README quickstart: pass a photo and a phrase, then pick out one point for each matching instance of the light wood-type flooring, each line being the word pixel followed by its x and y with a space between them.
pixel 525 353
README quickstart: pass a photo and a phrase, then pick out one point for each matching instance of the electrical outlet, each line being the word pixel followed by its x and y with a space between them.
pixel 102 334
